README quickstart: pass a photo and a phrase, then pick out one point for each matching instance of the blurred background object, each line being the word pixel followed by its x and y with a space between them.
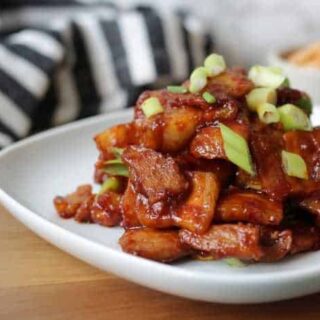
pixel 61 60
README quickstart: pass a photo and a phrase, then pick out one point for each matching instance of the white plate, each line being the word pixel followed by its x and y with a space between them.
pixel 33 171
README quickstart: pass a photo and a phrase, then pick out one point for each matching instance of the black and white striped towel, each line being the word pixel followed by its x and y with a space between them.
pixel 65 60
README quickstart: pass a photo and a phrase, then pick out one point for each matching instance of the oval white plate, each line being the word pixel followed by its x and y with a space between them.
pixel 33 171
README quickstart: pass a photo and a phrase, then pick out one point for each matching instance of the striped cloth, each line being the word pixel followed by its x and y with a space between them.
pixel 65 60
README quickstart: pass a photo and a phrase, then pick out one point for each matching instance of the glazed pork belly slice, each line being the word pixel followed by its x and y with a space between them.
pixel 248 206
pixel 197 211
pixel 106 209
pixel 266 145
pixel 307 145
pixel 169 131
pixel 154 175
pixel 311 203
pixel 233 83
pixel 76 204
pixel 227 240
pixel 128 208
pixel 164 246
pixel 136 211
pixel 119 136
pixel 276 243
pixel 208 143
pixel 305 238
pixel 251 242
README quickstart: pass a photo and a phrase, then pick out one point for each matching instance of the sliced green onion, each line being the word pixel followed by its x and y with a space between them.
pixel 177 89
pixel 286 83
pixel 305 104
pixel 260 95
pixel 294 165
pixel 114 161
pixel 236 149
pixel 293 118
pixel 198 80
pixel 117 152
pixel 151 107
pixel 214 64
pixel 266 76
pixel 208 97
pixel 268 113
pixel 110 184
pixel 117 169
pixel 234 262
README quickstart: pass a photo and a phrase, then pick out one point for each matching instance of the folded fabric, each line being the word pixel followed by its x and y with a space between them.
pixel 62 61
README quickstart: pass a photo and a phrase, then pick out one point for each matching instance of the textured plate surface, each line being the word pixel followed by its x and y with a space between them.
pixel 33 171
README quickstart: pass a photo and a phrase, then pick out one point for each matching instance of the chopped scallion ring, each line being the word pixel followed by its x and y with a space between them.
pixel 234 262
pixel 208 97
pixel 294 165
pixel 110 184
pixel 260 95
pixel 117 152
pixel 151 107
pixel 198 80
pixel 117 169
pixel 236 149
pixel 286 83
pixel 177 89
pixel 214 64
pixel 266 76
pixel 268 113
pixel 305 104
pixel 293 118
pixel 114 161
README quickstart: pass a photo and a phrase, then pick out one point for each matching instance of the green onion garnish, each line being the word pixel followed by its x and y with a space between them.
pixel 198 80
pixel 294 165
pixel 114 161
pixel 234 262
pixel 110 184
pixel 266 76
pixel 305 104
pixel 177 89
pixel 286 83
pixel 268 113
pixel 293 118
pixel 117 152
pixel 208 97
pixel 151 107
pixel 236 149
pixel 117 169
pixel 214 64
pixel 260 95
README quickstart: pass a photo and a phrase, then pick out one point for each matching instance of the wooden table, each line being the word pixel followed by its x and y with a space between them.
pixel 38 281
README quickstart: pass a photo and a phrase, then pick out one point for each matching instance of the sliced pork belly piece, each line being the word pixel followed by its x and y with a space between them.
pixel 154 175
pixel 208 143
pixel 307 145
pixel 248 207
pixel 305 238
pixel 68 206
pixel 197 212
pixel 276 244
pixel 106 209
pixel 233 83
pixel 227 240
pixel 152 244
pixel 266 151
pixel 311 203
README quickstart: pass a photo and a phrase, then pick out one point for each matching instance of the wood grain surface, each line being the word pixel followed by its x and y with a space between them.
pixel 38 281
